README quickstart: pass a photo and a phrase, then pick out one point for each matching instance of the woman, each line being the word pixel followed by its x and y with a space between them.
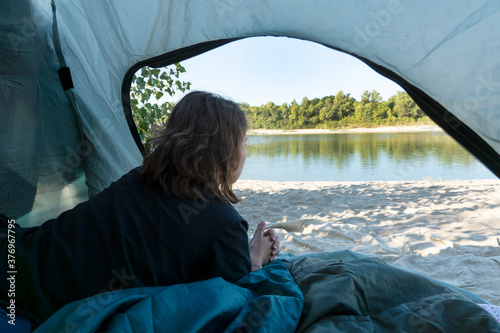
pixel 169 221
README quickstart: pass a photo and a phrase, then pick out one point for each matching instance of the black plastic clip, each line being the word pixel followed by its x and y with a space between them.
pixel 65 77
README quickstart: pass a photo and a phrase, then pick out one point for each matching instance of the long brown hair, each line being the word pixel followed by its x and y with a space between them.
pixel 199 149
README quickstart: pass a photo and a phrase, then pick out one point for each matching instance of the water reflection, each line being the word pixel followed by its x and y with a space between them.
pixel 365 157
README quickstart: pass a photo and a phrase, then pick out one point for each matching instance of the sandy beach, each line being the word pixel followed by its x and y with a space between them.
pixel 386 129
pixel 448 230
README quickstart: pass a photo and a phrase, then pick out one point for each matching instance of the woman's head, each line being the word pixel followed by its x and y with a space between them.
pixel 200 149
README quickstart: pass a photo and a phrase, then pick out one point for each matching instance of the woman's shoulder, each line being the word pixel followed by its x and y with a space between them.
pixel 207 210
pixel 203 209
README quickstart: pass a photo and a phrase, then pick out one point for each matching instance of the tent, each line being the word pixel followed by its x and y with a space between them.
pixel 66 129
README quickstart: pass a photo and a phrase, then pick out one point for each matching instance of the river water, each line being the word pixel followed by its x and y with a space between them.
pixel 360 157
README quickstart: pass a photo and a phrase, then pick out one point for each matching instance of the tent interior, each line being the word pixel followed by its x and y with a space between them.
pixel 451 71
pixel 66 68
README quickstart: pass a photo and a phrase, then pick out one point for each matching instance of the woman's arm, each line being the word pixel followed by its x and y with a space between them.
pixel 230 256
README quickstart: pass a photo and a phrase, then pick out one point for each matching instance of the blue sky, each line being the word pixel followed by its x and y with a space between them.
pixel 279 69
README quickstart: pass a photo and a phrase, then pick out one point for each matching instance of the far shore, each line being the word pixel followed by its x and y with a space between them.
pixel 385 129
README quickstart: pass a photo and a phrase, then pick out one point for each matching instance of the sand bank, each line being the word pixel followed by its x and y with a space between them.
pixel 387 129
pixel 448 230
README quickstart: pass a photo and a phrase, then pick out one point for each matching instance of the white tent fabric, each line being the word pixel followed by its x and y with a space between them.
pixel 446 54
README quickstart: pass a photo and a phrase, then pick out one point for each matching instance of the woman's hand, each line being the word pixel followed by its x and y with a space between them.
pixel 264 246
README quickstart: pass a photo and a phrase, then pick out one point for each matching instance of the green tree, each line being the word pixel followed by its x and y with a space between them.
pixel 312 112
pixel 326 112
pixel 368 105
pixel 293 118
pixel 405 107
pixel 275 116
pixel 343 105
pixel 284 114
pixel 148 87
pixel 381 112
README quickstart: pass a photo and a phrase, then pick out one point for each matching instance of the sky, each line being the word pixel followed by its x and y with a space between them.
pixel 279 69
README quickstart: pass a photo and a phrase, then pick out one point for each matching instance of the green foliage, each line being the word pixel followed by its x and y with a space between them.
pixel 149 86
pixel 337 111
pixel 404 106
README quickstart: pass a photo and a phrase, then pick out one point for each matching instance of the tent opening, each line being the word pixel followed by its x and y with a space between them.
pixel 273 78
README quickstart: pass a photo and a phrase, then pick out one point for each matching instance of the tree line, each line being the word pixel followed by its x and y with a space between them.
pixel 341 110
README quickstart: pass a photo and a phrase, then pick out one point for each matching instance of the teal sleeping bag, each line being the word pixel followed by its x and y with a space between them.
pixel 326 292
pixel 348 292
pixel 266 300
